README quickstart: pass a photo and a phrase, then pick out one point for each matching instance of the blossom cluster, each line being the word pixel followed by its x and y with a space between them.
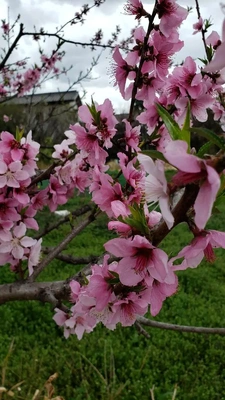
pixel 144 276
pixel 15 81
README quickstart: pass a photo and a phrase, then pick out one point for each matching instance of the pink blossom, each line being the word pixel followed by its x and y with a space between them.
pixel 171 15
pixel 27 216
pixel 122 71
pixel 140 260
pixel 213 40
pixel 12 174
pixel 150 116
pixel 62 151
pixel 188 80
pixel 99 285
pixel 60 317
pixel 9 144
pixel 193 169
pixel 218 61
pixel 104 126
pixel 127 309
pixel 88 142
pixel 198 105
pixel 132 136
pixel 6 118
pixel 156 187
pixel 161 52
pixel 40 199
pixel 104 192
pixel 30 147
pixel 34 256
pixel 15 243
pixel 79 324
pixel 198 26
pixel 5 27
pixel 159 291
pixel 75 290
pixel 202 245
pixel 56 193
pixel 121 228
pixel 135 7
pixel 8 209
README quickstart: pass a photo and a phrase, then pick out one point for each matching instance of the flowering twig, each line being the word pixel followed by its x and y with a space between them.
pixel 202 30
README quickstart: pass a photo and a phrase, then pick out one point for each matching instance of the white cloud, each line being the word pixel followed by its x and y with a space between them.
pixel 52 13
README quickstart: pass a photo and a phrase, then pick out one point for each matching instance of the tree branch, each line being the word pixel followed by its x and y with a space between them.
pixel 12 47
pixel 76 213
pixel 180 328
pixel 67 258
pixel 179 213
pixel 75 231
pixel 63 41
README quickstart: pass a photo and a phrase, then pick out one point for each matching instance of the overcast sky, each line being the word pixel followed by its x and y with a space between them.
pixel 50 14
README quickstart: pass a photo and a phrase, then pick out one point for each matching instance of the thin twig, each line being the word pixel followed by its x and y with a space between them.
pixel 67 258
pixel 180 328
pixel 141 330
pixel 57 250
pixel 142 59
pixel 76 213
pixel 202 30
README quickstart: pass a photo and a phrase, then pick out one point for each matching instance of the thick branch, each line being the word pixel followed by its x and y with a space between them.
pixel 55 292
pixel 18 291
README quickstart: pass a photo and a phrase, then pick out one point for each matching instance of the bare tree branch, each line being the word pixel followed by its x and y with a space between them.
pixel 57 250
pixel 76 213
pixel 180 328
pixel 12 47
pixel 67 258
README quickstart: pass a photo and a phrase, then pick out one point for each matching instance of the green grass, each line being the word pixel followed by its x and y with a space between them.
pixel 122 364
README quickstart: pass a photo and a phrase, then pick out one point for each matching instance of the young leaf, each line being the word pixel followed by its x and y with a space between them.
pixel 172 126
pixel 19 133
pixel 154 154
pixel 185 132
pixel 211 136
pixel 204 149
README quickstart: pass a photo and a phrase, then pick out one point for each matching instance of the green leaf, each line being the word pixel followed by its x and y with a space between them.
pixel 155 154
pixel 203 60
pixel 185 132
pixel 96 115
pixel 222 185
pixel 211 136
pixel 19 133
pixel 171 125
pixel 204 149
pixel 220 200
pixel 137 220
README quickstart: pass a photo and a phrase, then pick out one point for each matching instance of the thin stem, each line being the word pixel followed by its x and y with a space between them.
pixel 142 59
pixel 10 50
pixel 76 213
pixel 180 328
pixel 202 30
pixel 75 231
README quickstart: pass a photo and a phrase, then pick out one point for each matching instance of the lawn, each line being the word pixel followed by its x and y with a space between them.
pixel 121 364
